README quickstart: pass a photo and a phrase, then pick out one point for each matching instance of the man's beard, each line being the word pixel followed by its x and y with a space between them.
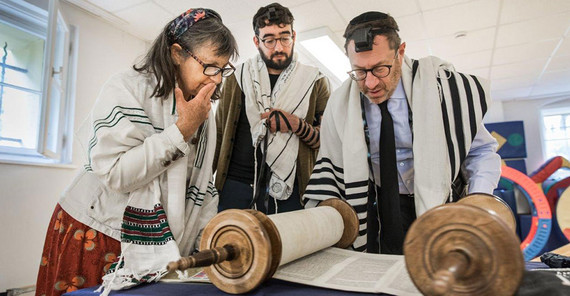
pixel 280 65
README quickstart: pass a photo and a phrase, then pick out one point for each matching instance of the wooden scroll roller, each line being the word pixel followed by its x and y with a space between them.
pixel 465 248
pixel 243 248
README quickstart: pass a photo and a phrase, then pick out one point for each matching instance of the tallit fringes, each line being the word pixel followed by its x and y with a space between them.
pixel 109 280
pixel 440 90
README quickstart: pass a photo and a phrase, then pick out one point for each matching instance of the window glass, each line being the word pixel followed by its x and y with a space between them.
pixel 35 84
pixel 24 57
pixel 19 120
pixel 20 87
pixel 557 135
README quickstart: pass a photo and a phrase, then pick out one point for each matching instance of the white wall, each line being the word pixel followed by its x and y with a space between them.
pixel 494 112
pixel 28 194
pixel 529 112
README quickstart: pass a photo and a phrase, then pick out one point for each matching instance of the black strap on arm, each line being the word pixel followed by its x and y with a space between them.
pixel 262 177
pixel 278 117
pixel 259 188
pixel 300 125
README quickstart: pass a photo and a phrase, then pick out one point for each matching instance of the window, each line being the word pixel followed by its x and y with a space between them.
pixel 556 124
pixel 36 83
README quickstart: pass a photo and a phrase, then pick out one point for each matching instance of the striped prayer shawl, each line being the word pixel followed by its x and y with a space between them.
pixel 446 107
pixel 165 213
pixel 291 93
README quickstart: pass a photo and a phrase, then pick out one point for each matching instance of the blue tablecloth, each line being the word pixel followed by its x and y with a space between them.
pixel 271 287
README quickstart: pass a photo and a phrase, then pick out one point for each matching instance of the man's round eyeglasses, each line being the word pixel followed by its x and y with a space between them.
pixel 211 70
pixel 270 42
pixel 380 71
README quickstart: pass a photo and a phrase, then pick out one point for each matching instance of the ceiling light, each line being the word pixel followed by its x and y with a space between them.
pixel 322 47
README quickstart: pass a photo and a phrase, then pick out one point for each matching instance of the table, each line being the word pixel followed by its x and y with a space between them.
pixel 271 287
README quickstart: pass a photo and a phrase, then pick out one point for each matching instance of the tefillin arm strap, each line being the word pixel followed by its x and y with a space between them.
pixel 263 175
pixel 278 117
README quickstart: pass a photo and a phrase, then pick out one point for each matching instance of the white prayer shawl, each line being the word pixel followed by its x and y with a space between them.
pixel 447 107
pixel 146 261
pixel 291 93
pixel 159 224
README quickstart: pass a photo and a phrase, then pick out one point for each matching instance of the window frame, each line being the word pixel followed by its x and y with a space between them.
pixel 43 24
pixel 550 111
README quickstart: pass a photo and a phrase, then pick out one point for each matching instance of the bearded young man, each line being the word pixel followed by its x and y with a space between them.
pixel 400 136
pixel 268 121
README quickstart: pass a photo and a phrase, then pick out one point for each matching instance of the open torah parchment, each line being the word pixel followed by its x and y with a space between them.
pixel 338 269
pixel 347 270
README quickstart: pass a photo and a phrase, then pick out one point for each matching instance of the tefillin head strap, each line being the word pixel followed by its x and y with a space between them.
pixel 271 14
pixel 364 37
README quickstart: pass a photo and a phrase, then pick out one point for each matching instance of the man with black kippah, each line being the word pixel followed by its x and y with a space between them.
pixel 268 121
pixel 401 136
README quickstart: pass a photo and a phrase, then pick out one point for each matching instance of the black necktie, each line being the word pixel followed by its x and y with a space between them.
pixel 392 235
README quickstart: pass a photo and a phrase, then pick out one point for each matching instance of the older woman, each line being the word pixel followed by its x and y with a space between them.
pixel 146 189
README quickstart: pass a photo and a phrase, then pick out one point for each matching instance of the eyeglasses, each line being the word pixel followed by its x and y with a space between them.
pixel 211 70
pixel 378 71
pixel 270 42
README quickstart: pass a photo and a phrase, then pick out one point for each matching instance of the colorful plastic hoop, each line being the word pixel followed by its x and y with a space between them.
pixel 563 206
pixel 548 168
pixel 541 215
pixel 552 194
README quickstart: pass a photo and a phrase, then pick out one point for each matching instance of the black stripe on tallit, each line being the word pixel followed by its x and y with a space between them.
pixel 360 208
pixel 457 115
pixel 282 150
pixel 356 184
pixel 326 169
pixel 472 122
pixel 304 96
pixel 450 147
pixel 357 195
pixel 415 64
pixel 325 181
pixel 290 173
pixel 481 95
pixel 327 160
pixel 322 192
